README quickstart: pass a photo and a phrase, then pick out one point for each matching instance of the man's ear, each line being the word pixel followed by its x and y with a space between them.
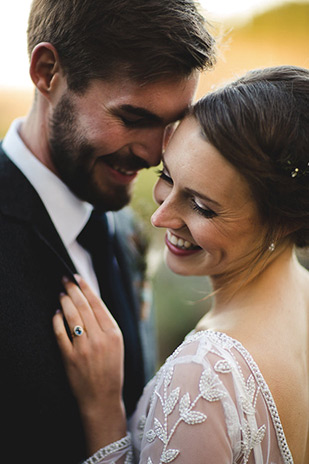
pixel 44 67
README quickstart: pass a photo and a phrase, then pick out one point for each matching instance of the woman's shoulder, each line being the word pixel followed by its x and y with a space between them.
pixel 212 348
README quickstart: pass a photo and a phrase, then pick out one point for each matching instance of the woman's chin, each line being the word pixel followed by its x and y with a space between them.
pixel 178 269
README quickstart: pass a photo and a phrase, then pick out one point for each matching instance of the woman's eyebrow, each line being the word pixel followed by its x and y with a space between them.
pixel 192 191
pixel 202 196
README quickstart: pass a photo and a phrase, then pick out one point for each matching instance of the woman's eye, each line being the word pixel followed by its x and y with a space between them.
pixel 205 212
pixel 163 175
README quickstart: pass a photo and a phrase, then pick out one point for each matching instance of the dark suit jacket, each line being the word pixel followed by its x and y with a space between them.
pixel 38 416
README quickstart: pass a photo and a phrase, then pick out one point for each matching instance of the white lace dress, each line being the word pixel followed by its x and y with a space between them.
pixel 207 404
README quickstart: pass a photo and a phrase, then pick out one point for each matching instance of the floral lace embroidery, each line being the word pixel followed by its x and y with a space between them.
pixel 250 439
pixel 226 342
pixel 141 426
pixel 210 389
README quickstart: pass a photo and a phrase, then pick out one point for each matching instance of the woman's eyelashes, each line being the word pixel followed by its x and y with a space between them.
pixel 196 206
pixel 164 176
pixel 205 212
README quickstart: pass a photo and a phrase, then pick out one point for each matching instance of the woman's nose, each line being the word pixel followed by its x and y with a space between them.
pixel 167 216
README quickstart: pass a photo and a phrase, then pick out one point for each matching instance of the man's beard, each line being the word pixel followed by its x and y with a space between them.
pixel 74 158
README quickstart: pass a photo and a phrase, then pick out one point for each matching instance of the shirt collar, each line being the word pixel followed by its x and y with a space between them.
pixel 68 213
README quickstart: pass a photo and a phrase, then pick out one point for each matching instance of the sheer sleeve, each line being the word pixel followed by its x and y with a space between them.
pixel 207 404
pixel 117 452
pixel 188 412
pixel 192 417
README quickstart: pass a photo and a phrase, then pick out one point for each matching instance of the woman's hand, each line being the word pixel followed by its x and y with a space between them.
pixel 93 361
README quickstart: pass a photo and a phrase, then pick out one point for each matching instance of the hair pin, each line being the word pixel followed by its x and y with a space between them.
pixel 295 171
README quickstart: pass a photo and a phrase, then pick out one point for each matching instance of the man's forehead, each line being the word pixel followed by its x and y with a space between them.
pixel 157 101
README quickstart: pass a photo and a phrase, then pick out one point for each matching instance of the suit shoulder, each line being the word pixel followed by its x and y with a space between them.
pixel 129 226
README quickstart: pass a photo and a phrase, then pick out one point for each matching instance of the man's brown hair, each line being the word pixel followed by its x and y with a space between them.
pixel 146 41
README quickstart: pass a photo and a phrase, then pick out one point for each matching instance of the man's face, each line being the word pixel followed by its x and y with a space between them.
pixel 99 140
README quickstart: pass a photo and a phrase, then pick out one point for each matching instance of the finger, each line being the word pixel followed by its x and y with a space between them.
pixel 62 338
pixel 100 310
pixel 81 305
pixel 72 316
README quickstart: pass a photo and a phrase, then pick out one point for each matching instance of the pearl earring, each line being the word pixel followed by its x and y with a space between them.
pixel 272 247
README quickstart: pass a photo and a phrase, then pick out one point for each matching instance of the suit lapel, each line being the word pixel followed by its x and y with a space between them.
pixel 20 201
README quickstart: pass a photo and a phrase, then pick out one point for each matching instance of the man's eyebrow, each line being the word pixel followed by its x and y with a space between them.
pixel 141 112
pixel 152 117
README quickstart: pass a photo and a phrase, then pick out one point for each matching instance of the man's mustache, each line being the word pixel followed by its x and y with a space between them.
pixel 128 162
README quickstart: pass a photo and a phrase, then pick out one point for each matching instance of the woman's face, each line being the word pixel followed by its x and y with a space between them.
pixel 213 227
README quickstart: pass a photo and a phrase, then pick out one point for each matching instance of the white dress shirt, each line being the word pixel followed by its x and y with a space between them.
pixel 68 213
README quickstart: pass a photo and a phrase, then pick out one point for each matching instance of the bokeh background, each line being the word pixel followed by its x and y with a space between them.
pixel 251 34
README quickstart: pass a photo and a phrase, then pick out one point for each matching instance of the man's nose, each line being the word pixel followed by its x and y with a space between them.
pixel 150 145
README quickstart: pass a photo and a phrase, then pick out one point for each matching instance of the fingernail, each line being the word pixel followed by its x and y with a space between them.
pixel 77 277
pixel 58 311
pixel 65 279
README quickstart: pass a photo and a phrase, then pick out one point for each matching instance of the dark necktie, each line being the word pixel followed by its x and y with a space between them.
pixel 102 246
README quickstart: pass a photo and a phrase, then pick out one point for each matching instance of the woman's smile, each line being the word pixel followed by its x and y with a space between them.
pixel 179 246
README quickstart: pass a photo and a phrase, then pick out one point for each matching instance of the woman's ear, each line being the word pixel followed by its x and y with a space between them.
pixel 44 67
pixel 284 232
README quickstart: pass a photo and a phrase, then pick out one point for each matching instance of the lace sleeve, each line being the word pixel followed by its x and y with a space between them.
pixel 178 421
pixel 206 406
pixel 118 452
pixel 192 418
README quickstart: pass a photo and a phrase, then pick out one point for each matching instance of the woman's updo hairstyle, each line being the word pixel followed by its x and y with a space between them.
pixel 260 124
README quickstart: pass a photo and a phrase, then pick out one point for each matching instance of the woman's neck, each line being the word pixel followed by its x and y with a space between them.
pixel 239 300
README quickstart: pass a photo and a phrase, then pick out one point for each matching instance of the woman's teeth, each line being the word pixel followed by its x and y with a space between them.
pixel 179 242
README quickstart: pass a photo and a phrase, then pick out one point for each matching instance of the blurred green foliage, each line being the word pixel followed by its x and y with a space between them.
pixel 180 302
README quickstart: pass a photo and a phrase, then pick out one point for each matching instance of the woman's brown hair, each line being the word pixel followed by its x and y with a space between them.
pixel 260 124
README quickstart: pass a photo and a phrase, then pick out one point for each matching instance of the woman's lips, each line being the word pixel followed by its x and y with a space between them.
pixel 179 246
